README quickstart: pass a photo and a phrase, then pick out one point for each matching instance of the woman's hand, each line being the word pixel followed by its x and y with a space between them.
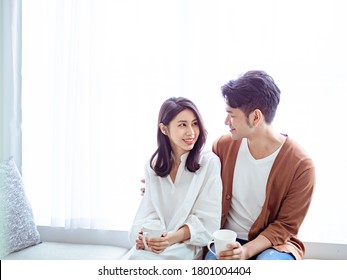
pixel 139 241
pixel 158 245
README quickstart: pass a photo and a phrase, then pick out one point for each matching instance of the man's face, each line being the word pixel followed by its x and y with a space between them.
pixel 238 123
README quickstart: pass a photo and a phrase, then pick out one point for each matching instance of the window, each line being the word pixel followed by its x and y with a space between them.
pixel 96 72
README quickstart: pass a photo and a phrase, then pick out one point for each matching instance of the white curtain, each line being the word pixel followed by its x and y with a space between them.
pixel 10 80
pixel 91 104
pixel 99 81
pixel 96 71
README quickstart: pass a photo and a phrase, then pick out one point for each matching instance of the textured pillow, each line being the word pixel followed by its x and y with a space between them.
pixel 17 226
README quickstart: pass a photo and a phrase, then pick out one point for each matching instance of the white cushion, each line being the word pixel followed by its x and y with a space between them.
pixel 17 225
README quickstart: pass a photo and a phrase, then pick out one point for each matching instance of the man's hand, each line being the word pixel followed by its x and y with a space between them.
pixel 142 189
pixel 235 252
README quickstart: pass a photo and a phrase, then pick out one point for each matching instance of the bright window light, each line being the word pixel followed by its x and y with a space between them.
pixel 96 72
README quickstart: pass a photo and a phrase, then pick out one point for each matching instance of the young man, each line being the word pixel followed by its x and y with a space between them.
pixel 268 179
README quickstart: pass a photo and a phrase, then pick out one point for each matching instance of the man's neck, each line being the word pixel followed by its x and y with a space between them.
pixel 265 142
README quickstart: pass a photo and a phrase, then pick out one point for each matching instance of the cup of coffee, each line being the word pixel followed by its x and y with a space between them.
pixel 222 238
pixel 151 230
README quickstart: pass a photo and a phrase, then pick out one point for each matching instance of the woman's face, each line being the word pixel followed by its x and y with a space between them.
pixel 183 132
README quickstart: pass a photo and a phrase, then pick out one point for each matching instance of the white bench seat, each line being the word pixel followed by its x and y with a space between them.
pixel 69 251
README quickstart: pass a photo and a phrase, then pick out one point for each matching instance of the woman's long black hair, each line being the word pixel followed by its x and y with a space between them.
pixel 162 160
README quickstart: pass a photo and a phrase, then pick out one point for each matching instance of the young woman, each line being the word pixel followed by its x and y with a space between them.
pixel 183 187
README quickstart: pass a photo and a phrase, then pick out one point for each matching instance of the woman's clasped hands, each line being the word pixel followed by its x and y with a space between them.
pixel 155 244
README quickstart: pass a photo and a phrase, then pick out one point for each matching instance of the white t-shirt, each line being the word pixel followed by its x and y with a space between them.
pixel 249 185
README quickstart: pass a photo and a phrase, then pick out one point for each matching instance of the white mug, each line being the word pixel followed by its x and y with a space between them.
pixel 150 230
pixel 222 238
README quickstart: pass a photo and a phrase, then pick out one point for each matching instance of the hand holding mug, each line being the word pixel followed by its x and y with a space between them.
pixel 150 230
pixel 222 238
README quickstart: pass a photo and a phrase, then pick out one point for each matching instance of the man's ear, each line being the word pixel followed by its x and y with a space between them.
pixel 163 128
pixel 256 117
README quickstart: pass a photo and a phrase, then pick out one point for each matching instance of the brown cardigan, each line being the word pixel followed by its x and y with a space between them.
pixel 289 192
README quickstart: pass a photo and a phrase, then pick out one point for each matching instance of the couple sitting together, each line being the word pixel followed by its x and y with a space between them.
pixel 256 182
